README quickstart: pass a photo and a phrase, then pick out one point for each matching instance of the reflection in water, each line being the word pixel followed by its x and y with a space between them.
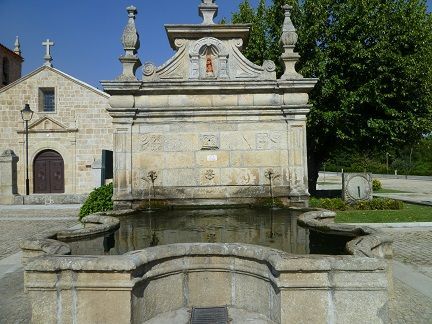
pixel 108 243
pixel 275 228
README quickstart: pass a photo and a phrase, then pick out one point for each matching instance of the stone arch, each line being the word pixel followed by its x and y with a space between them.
pixel 199 58
pixel 48 172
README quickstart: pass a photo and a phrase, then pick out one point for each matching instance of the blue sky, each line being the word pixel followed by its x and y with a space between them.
pixel 87 32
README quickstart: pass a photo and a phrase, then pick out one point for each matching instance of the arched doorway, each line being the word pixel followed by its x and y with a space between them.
pixel 48 172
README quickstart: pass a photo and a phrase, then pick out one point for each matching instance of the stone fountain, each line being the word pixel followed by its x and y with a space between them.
pixel 215 129
pixel 209 121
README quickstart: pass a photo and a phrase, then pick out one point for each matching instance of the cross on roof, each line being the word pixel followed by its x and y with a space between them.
pixel 48 57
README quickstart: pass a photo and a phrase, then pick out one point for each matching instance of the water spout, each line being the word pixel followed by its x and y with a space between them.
pixel 271 175
pixel 152 176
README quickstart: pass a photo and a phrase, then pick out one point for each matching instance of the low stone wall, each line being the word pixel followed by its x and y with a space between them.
pixel 49 244
pixel 140 285
pixel 366 241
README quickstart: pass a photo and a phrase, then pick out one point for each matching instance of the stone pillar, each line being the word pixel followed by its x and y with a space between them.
pixel 297 161
pixel 122 196
pixel 8 177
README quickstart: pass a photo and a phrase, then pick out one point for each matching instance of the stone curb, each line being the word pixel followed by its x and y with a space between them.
pixel 366 241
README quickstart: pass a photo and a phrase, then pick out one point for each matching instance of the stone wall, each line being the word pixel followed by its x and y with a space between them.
pixel 14 63
pixel 141 285
pixel 78 130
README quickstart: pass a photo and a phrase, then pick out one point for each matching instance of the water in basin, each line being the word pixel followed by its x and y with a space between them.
pixel 267 227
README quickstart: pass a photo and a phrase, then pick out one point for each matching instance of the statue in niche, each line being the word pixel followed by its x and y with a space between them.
pixel 209 65
pixel 208 56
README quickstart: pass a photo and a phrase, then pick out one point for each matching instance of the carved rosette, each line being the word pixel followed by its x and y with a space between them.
pixel 289 40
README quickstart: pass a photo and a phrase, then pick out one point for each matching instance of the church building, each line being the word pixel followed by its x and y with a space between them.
pixel 10 64
pixel 68 130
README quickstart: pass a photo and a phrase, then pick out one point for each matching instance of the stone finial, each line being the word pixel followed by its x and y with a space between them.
pixel 48 58
pixel 17 49
pixel 131 44
pixel 130 37
pixel 208 10
pixel 289 40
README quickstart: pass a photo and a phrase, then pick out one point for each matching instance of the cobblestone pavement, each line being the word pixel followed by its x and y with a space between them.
pixel 409 306
pixel 14 303
pixel 22 223
pixel 412 247
pixel 18 223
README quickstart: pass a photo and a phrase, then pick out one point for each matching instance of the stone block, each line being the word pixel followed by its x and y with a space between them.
pixel 240 176
pixel 256 159
pixel 361 306
pixel 180 177
pixel 161 295
pixel 44 306
pixel 251 293
pixel 149 160
pixel 181 142
pixel 306 306
pixel 212 159
pixel 208 289
pixel 103 306
pixel 179 160
pixel 237 141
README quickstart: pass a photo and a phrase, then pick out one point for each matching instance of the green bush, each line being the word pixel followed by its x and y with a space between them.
pixel 329 203
pixel 339 204
pixel 268 202
pixel 376 185
pixel 100 199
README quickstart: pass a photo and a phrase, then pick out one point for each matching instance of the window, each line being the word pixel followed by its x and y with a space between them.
pixel 46 99
pixel 5 71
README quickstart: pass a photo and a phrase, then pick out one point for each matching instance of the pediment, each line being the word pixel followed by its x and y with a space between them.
pixel 48 124
pixel 209 59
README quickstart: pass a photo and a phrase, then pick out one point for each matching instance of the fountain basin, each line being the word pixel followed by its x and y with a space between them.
pixel 156 283
pixel 140 285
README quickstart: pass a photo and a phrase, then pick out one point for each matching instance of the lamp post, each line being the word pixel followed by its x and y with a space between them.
pixel 26 115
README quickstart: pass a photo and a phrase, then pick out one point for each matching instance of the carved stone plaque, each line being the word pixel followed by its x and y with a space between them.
pixel 265 141
pixel 209 142
pixel 152 143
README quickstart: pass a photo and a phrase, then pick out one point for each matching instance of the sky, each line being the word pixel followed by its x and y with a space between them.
pixel 87 32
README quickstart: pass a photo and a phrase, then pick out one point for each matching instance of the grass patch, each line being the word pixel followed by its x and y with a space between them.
pixel 410 213
pixel 324 183
pixel 383 190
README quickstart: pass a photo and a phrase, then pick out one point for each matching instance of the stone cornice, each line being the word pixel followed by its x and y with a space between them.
pixel 209 87
pixel 199 31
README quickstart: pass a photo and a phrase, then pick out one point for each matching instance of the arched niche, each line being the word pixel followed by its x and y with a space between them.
pixel 208 59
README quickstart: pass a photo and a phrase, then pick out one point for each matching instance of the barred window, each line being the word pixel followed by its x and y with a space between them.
pixel 46 99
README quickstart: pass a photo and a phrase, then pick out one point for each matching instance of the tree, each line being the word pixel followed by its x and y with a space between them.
pixel 373 59
pixel 257 49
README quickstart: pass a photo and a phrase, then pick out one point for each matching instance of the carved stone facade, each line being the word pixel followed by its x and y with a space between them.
pixel 210 122
pixel 77 129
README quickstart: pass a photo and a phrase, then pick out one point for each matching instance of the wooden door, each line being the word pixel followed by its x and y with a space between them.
pixel 48 169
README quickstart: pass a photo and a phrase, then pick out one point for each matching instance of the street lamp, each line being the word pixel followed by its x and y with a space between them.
pixel 26 115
